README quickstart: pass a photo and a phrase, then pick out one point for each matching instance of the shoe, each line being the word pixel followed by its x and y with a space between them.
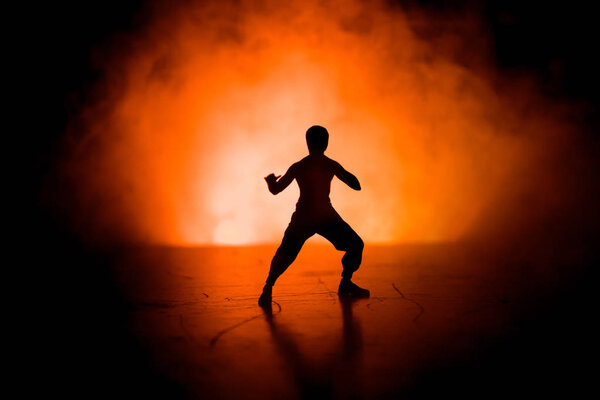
pixel 265 298
pixel 349 289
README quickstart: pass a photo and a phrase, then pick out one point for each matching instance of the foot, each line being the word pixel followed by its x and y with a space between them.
pixel 349 289
pixel 265 298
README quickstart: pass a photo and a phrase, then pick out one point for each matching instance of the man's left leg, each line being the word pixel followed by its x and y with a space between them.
pixel 344 238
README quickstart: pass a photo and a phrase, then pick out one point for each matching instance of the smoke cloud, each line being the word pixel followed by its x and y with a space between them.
pixel 207 98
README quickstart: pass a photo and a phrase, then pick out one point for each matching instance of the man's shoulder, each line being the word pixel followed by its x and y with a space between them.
pixel 332 162
pixel 297 165
pixel 308 161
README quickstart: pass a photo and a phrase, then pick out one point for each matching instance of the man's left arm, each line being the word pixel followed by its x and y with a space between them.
pixel 346 177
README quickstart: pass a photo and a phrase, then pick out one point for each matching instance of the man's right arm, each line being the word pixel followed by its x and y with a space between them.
pixel 346 177
pixel 277 184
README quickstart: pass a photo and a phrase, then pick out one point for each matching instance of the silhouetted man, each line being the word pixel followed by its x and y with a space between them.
pixel 315 214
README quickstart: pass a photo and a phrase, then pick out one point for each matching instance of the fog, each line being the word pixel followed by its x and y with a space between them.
pixel 201 101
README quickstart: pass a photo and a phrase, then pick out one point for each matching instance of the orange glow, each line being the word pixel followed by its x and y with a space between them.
pixel 207 99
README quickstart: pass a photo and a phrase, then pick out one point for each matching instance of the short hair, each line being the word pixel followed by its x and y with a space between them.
pixel 317 138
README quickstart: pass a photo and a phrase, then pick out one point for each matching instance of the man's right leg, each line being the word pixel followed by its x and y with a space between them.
pixel 283 258
pixel 293 240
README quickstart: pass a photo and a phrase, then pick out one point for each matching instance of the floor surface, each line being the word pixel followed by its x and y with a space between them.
pixel 442 318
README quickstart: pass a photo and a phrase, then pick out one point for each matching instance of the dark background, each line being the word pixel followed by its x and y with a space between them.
pixel 74 339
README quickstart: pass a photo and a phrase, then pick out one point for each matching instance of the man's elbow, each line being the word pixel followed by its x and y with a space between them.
pixel 274 190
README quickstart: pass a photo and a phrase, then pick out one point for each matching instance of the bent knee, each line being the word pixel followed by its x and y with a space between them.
pixel 359 245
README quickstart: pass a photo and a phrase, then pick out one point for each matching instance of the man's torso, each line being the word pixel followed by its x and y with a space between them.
pixel 314 175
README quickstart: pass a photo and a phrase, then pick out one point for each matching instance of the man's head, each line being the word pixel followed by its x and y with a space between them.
pixel 317 139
